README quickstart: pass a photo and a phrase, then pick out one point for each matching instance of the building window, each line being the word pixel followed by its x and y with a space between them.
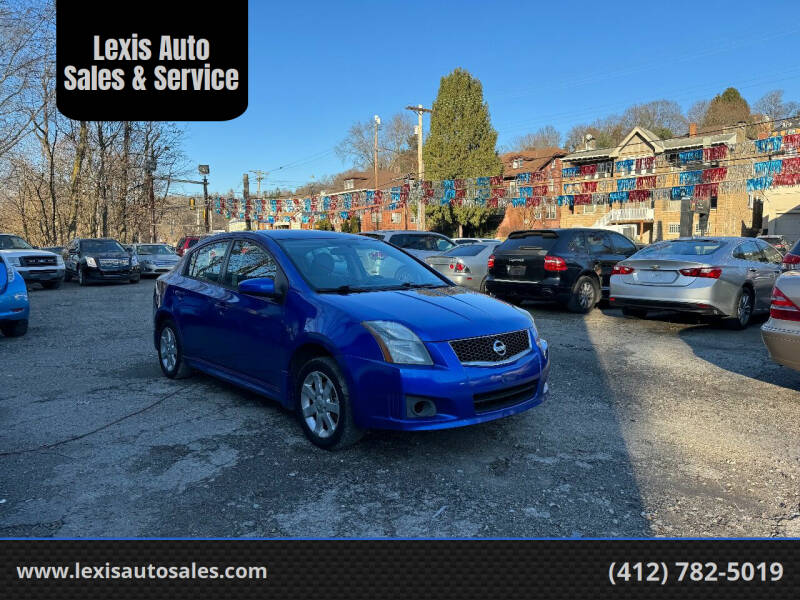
pixel 375 217
pixel 674 227
pixel 349 184
pixel 517 163
pixel 589 208
pixel 395 217
pixel 713 202
pixel 552 211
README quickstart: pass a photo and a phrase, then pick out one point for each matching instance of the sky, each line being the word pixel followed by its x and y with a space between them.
pixel 315 68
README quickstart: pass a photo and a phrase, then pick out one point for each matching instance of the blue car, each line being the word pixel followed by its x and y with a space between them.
pixel 350 332
pixel 14 306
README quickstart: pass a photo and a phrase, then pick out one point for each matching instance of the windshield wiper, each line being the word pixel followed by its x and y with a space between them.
pixel 343 289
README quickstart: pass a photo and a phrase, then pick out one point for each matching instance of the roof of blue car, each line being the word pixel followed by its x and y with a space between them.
pixel 290 234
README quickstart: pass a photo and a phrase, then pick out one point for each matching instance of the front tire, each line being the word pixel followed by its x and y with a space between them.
pixel 744 310
pixel 584 295
pixel 170 351
pixel 14 328
pixel 322 403
pixel 82 280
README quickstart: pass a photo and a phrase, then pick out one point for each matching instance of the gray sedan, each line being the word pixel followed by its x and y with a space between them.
pixel 155 259
pixel 720 276
pixel 466 264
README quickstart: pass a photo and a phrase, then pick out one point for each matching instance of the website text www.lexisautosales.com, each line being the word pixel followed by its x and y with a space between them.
pixel 149 571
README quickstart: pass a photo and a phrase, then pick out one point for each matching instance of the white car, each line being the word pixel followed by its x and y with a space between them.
pixel 32 264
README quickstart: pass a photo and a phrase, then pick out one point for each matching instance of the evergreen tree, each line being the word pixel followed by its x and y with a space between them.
pixel 726 109
pixel 324 225
pixel 462 141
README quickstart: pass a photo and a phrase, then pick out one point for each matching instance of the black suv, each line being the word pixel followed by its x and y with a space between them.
pixel 99 259
pixel 570 266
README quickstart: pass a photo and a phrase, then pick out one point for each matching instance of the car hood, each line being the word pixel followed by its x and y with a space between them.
pixel 33 252
pixel 434 314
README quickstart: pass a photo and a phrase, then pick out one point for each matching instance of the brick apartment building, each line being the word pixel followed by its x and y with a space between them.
pixel 544 166
pixel 646 177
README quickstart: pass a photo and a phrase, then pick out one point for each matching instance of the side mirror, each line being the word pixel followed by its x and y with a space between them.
pixel 260 286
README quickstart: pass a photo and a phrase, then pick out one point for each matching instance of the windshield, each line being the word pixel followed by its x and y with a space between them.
pixel 13 242
pixel 681 248
pixel 101 246
pixel 357 265
pixel 466 250
pixel 154 249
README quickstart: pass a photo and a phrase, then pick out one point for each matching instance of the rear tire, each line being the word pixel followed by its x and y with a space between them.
pixel 745 301
pixel 585 295
pixel 170 351
pixel 636 313
pixel 483 286
pixel 14 328
pixel 323 407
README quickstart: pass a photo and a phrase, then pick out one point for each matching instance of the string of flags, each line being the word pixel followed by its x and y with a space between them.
pixel 534 189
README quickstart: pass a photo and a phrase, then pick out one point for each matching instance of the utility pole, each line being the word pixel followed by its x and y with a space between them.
pixel 204 171
pixel 375 151
pixel 420 165
pixel 246 194
pixel 259 176
pixel 150 167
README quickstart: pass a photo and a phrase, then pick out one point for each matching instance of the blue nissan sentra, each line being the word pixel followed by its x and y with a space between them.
pixel 350 332
pixel 14 305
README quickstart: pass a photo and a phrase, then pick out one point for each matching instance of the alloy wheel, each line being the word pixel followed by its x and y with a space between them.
pixel 168 348
pixel 586 294
pixel 744 309
pixel 319 403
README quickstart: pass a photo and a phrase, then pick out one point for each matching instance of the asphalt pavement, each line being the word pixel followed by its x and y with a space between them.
pixel 656 427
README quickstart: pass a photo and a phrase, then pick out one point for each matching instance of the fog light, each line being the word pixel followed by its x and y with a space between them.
pixel 419 407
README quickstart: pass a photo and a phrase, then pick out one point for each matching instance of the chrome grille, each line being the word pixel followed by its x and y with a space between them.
pixel 37 261
pixel 484 349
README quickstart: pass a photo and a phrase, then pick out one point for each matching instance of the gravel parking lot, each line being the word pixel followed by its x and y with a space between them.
pixel 654 427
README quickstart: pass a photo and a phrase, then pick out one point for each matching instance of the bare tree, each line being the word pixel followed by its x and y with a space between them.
pixel 544 137
pixel 394 138
pixel 773 106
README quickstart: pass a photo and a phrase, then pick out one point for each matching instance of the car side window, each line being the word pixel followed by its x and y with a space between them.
pixel 399 240
pixel 206 263
pixel 771 255
pixel 577 245
pixel 622 245
pixel 598 243
pixel 248 261
pixel 747 251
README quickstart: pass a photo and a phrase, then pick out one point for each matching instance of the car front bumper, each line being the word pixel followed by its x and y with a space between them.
pixel 41 273
pixel 782 340
pixel 462 395
pixel 96 274
pixel 153 269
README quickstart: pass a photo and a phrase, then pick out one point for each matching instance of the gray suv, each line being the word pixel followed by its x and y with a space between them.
pixel 421 244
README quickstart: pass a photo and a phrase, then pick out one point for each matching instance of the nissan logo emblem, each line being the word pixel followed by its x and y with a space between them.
pixel 499 347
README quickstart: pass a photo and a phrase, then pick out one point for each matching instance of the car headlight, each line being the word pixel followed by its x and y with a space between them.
pixel 134 260
pixel 90 261
pixel 398 343
pixel 10 272
pixel 15 260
